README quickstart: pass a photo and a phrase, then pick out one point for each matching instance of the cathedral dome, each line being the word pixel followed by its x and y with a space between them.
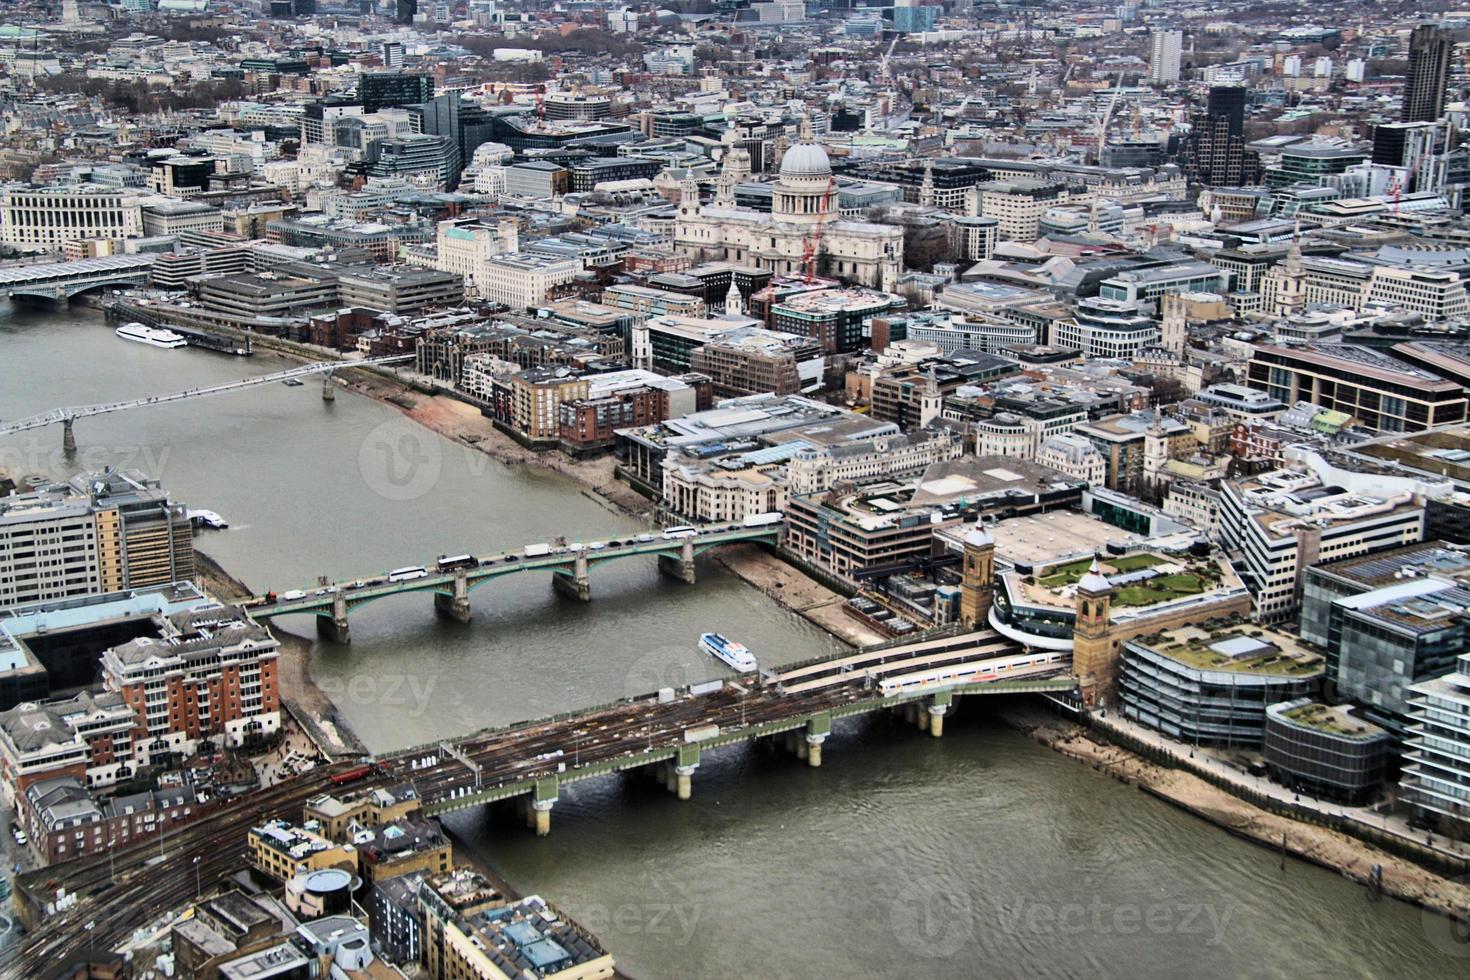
pixel 806 160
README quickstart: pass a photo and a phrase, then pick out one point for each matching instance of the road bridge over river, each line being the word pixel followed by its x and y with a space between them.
pixel 570 566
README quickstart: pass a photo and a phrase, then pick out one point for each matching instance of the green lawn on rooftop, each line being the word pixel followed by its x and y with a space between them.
pixel 1068 574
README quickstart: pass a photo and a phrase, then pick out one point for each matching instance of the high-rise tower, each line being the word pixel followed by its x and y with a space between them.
pixel 1429 71
pixel 1163 62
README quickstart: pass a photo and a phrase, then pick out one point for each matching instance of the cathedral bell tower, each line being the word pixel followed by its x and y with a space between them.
pixel 688 196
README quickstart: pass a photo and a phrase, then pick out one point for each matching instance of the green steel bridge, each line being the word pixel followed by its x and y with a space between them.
pixel 666 734
pixel 570 567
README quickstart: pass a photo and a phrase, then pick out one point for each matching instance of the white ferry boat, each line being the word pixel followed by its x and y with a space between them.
pixel 143 334
pixel 732 654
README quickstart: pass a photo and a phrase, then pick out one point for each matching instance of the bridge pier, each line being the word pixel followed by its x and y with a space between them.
pixel 922 719
pixel 681 568
pixel 684 781
pixel 334 627
pixel 539 804
pixel 938 708
pixel 329 390
pixel 456 606
pixel 814 750
pixel 577 585
pixel 818 727
pixel 541 816
pixel 68 439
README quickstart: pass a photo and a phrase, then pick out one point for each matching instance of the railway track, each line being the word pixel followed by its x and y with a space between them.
pixel 156 876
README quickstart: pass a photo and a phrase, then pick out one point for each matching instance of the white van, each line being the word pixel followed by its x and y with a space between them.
pixel 293 595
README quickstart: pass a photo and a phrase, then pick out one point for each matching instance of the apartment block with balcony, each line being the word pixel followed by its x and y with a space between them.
pixel 210 674
pixel 1436 766
pixel 102 532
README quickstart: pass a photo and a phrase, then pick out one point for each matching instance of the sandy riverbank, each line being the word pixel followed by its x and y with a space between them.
pixel 792 590
pixel 464 423
pixel 1322 846
pixel 308 704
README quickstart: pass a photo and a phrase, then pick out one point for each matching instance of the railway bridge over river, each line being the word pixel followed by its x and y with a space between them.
pixel 99 901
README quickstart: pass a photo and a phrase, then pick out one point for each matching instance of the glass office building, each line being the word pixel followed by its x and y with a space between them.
pixel 1326 751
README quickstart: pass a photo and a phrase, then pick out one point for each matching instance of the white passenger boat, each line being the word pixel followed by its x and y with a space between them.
pixel 732 654
pixel 153 337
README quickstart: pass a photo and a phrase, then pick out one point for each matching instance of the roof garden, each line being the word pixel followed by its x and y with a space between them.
pixel 1331 719
pixel 1140 579
pixel 1235 647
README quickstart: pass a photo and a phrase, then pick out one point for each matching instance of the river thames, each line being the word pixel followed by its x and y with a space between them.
pixel 978 854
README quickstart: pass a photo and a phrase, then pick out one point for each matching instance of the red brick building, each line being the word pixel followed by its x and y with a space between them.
pixel 212 673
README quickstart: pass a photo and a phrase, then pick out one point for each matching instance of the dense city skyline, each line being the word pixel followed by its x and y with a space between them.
pixel 1082 382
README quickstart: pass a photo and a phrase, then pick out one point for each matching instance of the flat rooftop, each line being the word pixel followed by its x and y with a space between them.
pixel 1238 648
pixel 1054 535
pixel 1355 359
pixel 1382 568
pixel 983 476
pixel 1332 719
pixel 1140 579
pixel 1445 452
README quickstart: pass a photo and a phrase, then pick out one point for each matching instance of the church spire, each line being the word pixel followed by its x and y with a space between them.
pixel 734 305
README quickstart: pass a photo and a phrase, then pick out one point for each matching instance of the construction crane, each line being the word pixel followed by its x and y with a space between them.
pixel 813 240
pixel 1107 118
pixel 885 71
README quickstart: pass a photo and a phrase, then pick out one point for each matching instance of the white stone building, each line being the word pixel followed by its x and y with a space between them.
pixel 800 218
pixel 1074 456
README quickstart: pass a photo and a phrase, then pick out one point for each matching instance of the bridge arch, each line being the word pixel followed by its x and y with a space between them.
pixel 64 292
